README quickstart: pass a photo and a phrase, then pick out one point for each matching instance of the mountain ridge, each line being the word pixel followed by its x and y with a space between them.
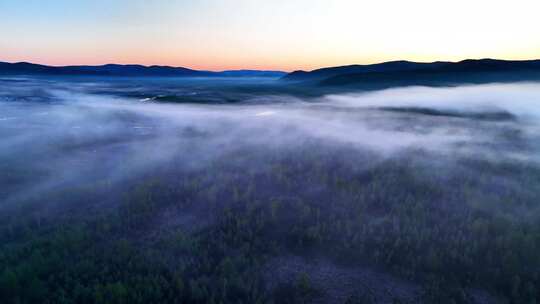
pixel 421 73
pixel 126 70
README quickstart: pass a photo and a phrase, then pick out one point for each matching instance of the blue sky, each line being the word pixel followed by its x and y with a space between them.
pixel 279 34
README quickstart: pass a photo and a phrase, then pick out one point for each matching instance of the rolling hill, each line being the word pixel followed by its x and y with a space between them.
pixel 130 70
pixel 395 73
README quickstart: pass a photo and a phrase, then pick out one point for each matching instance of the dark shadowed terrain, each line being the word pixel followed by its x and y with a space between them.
pixel 255 190
pixel 406 73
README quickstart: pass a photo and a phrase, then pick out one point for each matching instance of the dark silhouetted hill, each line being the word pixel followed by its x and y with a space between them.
pixel 129 70
pixel 397 73
pixel 389 66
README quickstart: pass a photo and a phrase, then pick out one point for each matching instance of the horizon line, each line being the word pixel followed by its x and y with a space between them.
pixel 254 69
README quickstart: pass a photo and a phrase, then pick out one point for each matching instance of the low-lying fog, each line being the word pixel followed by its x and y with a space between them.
pixel 404 195
pixel 58 135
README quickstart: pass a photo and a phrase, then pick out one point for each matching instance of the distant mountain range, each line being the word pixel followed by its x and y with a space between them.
pixel 371 76
pixel 396 73
pixel 130 70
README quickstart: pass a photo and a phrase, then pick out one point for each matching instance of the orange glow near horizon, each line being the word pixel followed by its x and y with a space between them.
pixel 220 64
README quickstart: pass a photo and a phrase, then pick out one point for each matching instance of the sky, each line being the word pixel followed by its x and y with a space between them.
pixel 262 34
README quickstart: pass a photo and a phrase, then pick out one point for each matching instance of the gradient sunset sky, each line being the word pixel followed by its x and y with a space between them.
pixel 271 34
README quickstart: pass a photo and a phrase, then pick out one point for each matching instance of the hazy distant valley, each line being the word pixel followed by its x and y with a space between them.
pixel 259 190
